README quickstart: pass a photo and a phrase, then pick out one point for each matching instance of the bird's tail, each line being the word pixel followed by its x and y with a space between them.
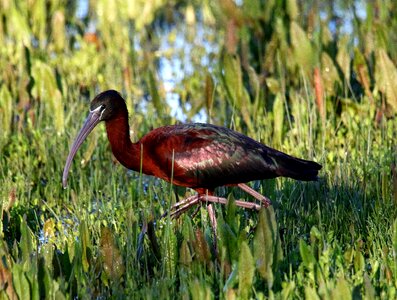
pixel 296 168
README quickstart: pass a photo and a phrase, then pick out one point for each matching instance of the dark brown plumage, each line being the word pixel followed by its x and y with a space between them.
pixel 199 156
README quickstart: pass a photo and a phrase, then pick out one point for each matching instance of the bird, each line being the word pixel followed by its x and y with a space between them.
pixel 199 156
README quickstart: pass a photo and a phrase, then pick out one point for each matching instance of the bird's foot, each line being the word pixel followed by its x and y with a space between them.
pixel 177 210
pixel 182 206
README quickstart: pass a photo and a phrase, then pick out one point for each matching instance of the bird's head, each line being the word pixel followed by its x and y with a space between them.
pixel 104 107
pixel 107 105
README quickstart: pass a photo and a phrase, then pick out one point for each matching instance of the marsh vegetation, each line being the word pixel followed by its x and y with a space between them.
pixel 316 79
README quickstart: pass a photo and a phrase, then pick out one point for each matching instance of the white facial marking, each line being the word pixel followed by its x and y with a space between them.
pixel 102 113
pixel 97 110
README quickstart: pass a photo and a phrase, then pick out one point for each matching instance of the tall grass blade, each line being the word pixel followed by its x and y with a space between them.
pixel 330 75
pixel 153 88
pixel 394 176
pixel 185 256
pixel 307 255
pixel 20 30
pixel 319 92
pixel 343 57
pixel 267 246
pixel 303 50
pixel 292 9
pixel 58 30
pixel 26 243
pixel 341 290
pixel 113 263
pixel 201 247
pixel 394 241
pixel 20 282
pixel 232 80
pixel 311 294
pixel 278 112
pixel 5 113
pixel 245 271
pixel 6 283
pixel 370 292
pixel 209 94
pixel 386 78
pixel 85 245
pixel 361 68
pixel 46 91
pixel 170 252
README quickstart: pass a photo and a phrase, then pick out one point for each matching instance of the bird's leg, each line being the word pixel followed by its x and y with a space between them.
pixel 182 205
pixel 185 204
pixel 178 208
pixel 240 203
pixel 195 212
pixel 265 201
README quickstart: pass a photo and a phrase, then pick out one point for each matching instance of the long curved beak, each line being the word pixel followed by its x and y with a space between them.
pixel 94 117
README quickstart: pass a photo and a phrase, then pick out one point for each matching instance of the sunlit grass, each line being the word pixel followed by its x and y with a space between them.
pixel 337 231
pixel 331 239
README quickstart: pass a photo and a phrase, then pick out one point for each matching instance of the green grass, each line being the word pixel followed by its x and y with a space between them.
pixel 337 235
pixel 331 239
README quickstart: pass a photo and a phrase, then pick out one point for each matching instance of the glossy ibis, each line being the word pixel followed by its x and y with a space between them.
pixel 199 156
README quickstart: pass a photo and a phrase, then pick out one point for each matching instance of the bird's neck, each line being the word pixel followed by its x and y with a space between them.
pixel 126 152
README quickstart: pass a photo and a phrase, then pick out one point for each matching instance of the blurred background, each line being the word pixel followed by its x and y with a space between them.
pixel 316 79
pixel 236 63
